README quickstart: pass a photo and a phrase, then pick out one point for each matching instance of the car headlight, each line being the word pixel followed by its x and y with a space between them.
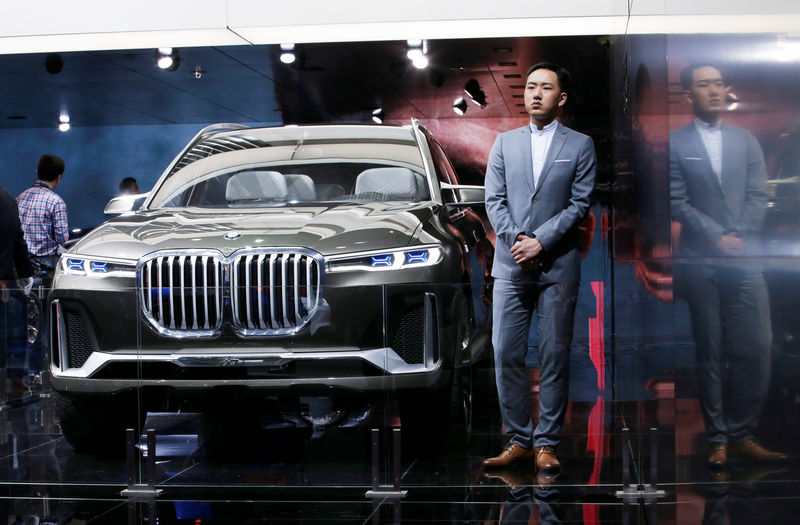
pixel 376 261
pixel 95 267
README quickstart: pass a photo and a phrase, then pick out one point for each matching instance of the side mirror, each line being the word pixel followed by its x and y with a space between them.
pixel 124 204
pixel 466 195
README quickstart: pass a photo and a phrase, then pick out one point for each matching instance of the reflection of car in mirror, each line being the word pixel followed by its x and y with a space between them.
pixel 282 260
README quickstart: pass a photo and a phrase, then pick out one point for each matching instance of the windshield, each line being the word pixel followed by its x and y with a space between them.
pixel 270 167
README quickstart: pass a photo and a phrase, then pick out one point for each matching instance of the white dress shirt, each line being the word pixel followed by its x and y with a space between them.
pixel 540 143
pixel 712 140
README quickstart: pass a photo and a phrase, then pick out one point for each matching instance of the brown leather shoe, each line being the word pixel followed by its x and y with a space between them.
pixel 546 458
pixel 719 455
pixel 752 450
pixel 513 453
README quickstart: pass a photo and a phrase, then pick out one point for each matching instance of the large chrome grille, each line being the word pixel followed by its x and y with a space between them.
pixel 259 292
pixel 275 292
pixel 183 293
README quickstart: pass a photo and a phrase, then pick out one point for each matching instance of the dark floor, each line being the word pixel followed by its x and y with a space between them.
pixel 316 467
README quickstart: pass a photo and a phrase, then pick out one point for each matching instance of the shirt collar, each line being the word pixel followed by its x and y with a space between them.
pixel 41 184
pixel 702 124
pixel 547 129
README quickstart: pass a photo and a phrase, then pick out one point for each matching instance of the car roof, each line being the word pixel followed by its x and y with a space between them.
pixel 322 132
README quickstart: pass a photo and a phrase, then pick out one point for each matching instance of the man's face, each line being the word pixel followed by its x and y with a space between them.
pixel 708 91
pixel 543 96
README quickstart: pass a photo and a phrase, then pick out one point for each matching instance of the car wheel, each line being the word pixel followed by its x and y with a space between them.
pixel 97 424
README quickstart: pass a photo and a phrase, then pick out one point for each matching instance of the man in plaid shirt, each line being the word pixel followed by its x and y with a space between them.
pixel 43 214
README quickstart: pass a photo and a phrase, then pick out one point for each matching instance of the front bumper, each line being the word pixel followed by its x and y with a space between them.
pixel 415 353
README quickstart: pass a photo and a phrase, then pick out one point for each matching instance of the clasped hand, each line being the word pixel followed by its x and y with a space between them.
pixel 526 249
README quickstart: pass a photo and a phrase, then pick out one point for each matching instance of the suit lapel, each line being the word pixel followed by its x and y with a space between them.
pixel 558 141
pixel 525 147
pixel 695 143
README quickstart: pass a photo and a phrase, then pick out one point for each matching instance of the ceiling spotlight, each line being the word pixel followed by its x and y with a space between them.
pixel 377 116
pixel 168 59
pixel 53 64
pixel 417 51
pixel 476 94
pixel 63 122
pixel 287 53
pixel 460 106
pixel 731 101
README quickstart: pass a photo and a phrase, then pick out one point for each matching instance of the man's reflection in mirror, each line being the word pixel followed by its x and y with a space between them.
pixel 718 187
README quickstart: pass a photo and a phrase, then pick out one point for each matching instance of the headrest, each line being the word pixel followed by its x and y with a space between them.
pixel 390 182
pixel 300 187
pixel 251 185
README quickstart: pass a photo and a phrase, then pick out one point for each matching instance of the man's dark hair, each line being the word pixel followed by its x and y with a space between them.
pixel 128 184
pixel 564 78
pixel 688 71
pixel 50 167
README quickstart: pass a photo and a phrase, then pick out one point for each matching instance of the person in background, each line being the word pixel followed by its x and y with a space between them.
pixel 15 282
pixel 128 186
pixel 14 262
pixel 43 215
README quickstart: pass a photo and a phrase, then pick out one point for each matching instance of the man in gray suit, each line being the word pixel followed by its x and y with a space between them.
pixel 538 182
pixel 718 187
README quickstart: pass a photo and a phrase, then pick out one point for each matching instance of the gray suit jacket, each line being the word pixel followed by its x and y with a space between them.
pixel 706 208
pixel 552 211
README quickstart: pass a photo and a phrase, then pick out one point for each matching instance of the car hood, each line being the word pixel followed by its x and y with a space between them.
pixel 328 230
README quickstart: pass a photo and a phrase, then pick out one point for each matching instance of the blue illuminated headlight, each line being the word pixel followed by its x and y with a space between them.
pixel 95 267
pixel 75 266
pixel 377 261
pixel 386 260
pixel 417 257
pixel 98 266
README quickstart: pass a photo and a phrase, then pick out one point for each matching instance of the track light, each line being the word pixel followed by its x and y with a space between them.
pixel 168 58
pixel 53 64
pixel 63 122
pixel 287 53
pixel 476 94
pixel 417 51
pixel 460 106
pixel 377 116
pixel 731 101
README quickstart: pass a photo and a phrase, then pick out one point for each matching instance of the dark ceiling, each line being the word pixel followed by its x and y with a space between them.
pixel 333 83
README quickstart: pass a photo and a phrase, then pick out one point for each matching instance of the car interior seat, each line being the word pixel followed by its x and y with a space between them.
pixel 390 183
pixel 256 185
pixel 300 187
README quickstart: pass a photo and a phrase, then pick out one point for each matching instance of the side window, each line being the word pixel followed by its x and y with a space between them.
pixel 446 166
pixel 438 164
pixel 444 170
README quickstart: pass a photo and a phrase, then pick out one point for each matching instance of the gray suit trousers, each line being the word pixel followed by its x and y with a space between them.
pixel 730 315
pixel 513 307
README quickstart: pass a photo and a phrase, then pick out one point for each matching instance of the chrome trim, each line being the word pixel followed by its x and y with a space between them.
pixel 247 318
pixel 154 311
pixel 383 359
pixel 59 345
pixel 285 280
pixel 431 333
